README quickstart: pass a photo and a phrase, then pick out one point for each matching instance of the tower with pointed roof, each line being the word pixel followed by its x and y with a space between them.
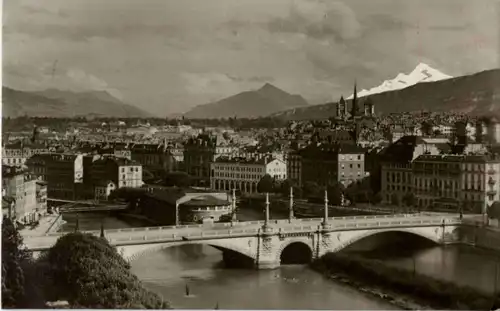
pixel 354 107
pixel 341 108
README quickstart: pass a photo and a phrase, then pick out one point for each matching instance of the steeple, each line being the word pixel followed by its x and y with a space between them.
pixel 355 108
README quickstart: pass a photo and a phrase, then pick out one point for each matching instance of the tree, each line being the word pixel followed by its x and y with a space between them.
pixel 178 179
pixel 266 184
pixel 285 187
pixel 310 189
pixel 88 272
pixel 335 194
pixel 409 199
pixel 395 201
pixel 493 210
pixel 19 286
pixel 376 198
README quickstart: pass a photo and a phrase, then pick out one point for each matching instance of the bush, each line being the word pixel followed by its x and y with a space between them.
pixel 439 293
pixel 88 272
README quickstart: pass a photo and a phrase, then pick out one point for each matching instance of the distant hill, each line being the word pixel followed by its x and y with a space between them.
pixel 250 104
pixel 476 94
pixel 57 103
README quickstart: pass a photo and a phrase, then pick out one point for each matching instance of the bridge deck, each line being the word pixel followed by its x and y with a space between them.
pixel 226 230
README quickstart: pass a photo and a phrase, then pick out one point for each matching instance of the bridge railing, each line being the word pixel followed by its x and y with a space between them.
pixel 159 235
pixel 235 232
pixel 213 226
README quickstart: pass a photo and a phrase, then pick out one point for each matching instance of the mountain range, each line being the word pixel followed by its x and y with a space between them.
pixel 58 103
pixel 422 73
pixel 249 104
pixel 475 94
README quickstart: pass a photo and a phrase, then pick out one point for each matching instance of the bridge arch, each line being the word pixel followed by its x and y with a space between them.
pixel 295 251
pixel 244 248
pixel 432 234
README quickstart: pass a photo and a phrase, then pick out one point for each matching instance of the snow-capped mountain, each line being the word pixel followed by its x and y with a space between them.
pixel 422 73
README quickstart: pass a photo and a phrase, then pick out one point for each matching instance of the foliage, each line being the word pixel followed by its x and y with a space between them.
pixel 493 210
pixel 285 188
pixel 440 294
pixel 376 198
pixel 266 184
pixel 335 194
pixel 395 200
pixel 409 199
pixel 19 286
pixel 88 272
pixel 178 179
pixel 311 189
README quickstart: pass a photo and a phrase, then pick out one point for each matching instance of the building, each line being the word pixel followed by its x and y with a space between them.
pixel 293 167
pixel 103 174
pixel 456 182
pixel 396 166
pixel 174 206
pixel 17 153
pixel 156 158
pixel 20 191
pixel 199 152
pixel 327 164
pixel 64 174
pixel 244 174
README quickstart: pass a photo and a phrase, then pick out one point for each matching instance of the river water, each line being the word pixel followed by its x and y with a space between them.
pixel 200 267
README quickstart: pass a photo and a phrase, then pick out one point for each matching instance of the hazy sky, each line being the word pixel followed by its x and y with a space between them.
pixel 169 55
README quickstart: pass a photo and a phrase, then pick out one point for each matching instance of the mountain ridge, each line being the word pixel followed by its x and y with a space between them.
pixel 63 103
pixel 262 102
pixel 475 94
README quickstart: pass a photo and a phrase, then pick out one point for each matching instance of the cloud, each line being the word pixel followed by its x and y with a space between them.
pixel 168 56
pixel 319 19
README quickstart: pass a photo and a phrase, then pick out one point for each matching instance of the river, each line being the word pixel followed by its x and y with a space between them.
pixel 290 287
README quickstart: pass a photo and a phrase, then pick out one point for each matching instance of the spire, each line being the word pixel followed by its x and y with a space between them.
pixel 354 109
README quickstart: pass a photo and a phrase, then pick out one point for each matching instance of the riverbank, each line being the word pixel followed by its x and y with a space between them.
pixel 47 224
pixel 405 289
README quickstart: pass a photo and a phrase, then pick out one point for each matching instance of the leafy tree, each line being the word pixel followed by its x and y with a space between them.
pixel 88 272
pixel 178 179
pixel 19 286
pixel 266 184
pixel 285 187
pixel 493 210
pixel 310 189
pixel 376 198
pixel 335 194
pixel 409 199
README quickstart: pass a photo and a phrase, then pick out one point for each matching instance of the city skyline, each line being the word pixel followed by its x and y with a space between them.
pixel 169 56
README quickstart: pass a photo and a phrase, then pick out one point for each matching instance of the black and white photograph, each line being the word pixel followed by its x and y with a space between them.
pixel 250 154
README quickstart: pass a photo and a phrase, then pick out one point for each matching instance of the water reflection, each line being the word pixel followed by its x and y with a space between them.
pixel 290 287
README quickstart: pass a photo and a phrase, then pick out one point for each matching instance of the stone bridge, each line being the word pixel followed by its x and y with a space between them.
pixel 264 243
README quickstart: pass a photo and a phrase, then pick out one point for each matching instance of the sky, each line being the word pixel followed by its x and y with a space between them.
pixel 167 56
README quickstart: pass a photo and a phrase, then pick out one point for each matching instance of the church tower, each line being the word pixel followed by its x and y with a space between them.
pixel 354 107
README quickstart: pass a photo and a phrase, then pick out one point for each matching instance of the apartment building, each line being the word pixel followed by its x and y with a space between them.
pixel 200 152
pixel 329 163
pixel 103 174
pixel 396 165
pixel 20 190
pixel 64 174
pixel 244 174
pixel 17 153
pixel 456 182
